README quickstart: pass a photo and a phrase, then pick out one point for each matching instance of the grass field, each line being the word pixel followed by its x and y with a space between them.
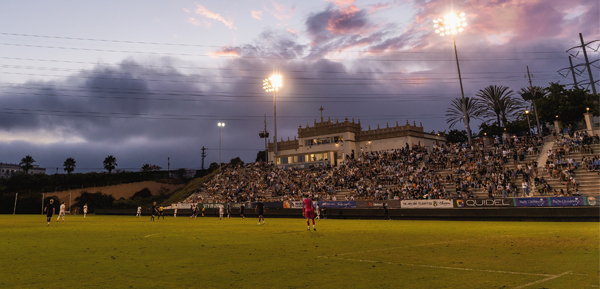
pixel 129 252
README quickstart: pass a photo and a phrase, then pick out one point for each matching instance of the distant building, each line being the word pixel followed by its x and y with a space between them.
pixel 7 170
pixel 329 142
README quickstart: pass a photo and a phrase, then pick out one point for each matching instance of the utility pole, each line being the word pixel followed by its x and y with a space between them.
pixel 587 64
pixel 265 134
pixel 533 93
pixel 203 155
pixel 573 72
pixel 169 167
pixel 15 210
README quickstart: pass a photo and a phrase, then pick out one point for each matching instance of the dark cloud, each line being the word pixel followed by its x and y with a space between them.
pixel 144 111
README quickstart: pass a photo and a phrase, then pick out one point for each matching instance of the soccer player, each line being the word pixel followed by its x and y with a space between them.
pixel 153 211
pixel 260 210
pixel 139 212
pixel 308 211
pixel 61 212
pixel 228 211
pixel 175 213
pixel 49 209
pixel 324 212
pixel 318 210
pixel 242 210
pixel 160 212
pixel 85 210
pixel 220 212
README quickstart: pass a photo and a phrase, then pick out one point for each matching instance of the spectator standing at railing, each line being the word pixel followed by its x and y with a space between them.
pixel 525 187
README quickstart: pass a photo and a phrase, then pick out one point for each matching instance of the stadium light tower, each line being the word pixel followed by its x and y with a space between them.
pixel 451 24
pixel 221 125
pixel 273 84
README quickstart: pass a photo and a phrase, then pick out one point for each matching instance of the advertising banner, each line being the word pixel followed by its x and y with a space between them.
pixel 566 201
pixel 391 204
pixel 478 203
pixel 338 204
pixel 426 204
pixel 292 205
pixel 273 205
pixel 211 205
pixel 592 201
pixel 532 202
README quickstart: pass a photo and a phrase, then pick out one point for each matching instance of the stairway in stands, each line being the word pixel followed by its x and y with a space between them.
pixel 589 182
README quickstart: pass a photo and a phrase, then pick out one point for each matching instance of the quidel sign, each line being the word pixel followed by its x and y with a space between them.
pixel 474 203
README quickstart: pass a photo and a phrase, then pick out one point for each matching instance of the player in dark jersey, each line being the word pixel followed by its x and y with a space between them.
pixel 242 211
pixel 153 211
pixel 308 211
pixel 260 210
pixel 49 209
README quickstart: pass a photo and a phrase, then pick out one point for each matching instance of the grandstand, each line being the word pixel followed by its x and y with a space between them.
pixel 439 172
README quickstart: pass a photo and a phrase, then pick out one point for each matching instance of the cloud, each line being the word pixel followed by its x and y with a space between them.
pixel 280 11
pixel 257 14
pixel 201 10
pixel 195 22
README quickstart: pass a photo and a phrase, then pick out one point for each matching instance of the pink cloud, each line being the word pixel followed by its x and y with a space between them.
pixel 293 31
pixel 227 51
pixel 196 22
pixel 256 14
pixel 281 12
pixel 201 10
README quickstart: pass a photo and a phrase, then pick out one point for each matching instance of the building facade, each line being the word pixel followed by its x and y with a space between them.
pixel 329 142
pixel 7 170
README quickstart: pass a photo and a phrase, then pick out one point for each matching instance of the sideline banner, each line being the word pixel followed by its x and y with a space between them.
pixel 532 202
pixel 426 204
pixel 478 203
pixel 566 201
pixel 292 205
pixel 338 204
pixel 391 204
pixel 592 201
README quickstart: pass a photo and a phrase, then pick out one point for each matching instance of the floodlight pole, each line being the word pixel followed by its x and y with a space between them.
pixel 275 126
pixel 462 92
pixel 15 209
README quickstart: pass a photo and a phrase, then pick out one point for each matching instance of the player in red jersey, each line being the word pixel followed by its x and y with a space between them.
pixel 308 211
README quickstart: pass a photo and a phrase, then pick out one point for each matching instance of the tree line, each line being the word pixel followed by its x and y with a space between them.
pixel 502 110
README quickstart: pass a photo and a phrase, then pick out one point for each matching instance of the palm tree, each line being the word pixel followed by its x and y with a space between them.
pixel 69 165
pixel 455 112
pixel 497 102
pixel 110 163
pixel 26 163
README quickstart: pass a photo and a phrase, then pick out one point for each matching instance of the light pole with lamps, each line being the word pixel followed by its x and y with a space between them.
pixel 450 25
pixel 529 124
pixel 273 84
pixel 221 125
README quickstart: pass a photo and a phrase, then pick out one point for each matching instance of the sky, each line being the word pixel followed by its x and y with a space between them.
pixel 148 81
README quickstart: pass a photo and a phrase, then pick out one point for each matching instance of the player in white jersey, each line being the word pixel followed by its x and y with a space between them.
pixel 221 212
pixel 84 210
pixel 139 212
pixel 61 212
pixel 318 211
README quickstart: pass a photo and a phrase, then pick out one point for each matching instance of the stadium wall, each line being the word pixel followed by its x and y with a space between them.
pixel 579 214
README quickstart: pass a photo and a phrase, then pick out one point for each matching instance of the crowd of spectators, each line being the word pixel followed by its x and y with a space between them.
pixel 500 169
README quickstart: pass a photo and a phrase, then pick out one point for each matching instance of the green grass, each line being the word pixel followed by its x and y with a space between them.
pixel 129 252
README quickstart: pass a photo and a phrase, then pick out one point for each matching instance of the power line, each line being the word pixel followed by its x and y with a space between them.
pixel 261 57
pixel 221 46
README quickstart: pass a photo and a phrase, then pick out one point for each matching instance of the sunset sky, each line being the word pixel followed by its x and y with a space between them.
pixel 149 80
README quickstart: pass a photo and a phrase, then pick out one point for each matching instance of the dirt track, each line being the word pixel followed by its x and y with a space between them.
pixel 117 191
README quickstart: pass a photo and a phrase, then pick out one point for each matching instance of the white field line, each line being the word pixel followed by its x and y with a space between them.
pixel 543 280
pixel 150 235
pixel 436 243
pixel 445 267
